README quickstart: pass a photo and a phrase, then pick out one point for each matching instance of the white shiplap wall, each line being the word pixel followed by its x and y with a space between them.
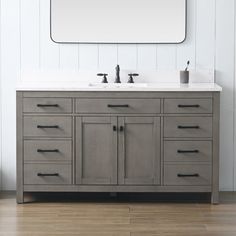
pixel 26 46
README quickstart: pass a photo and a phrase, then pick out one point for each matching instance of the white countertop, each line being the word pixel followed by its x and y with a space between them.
pixel 76 86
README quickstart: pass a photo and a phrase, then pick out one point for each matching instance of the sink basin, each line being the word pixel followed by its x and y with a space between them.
pixel 114 85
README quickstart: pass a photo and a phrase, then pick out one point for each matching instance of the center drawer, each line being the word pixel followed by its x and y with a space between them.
pixel 47 150
pixel 47 174
pixel 45 126
pixel 111 106
pixel 188 127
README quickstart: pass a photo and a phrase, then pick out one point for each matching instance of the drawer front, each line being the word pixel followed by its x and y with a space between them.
pixel 188 127
pixel 185 106
pixel 187 174
pixel 35 126
pixel 47 174
pixel 47 150
pixel 188 151
pixel 47 105
pixel 118 106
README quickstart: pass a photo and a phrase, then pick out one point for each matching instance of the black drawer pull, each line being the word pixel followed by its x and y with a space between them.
pixel 47 175
pixel 47 105
pixel 187 175
pixel 122 128
pixel 188 127
pixel 189 106
pixel 188 151
pixel 47 126
pixel 114 128
pixel 42 151
pixel 117 106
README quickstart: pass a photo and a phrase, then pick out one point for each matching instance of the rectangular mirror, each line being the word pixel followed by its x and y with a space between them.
pixel 118 21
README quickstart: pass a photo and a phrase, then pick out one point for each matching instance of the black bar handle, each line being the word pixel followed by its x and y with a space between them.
pixel 42 151
pixel 188 127
pixel 187 175
pixel 114 128
pixel 188 151
pixel 122 128
pixel 47 105
pixel 47 126
pixel 189 106
pixel 45 175
pixel 115 106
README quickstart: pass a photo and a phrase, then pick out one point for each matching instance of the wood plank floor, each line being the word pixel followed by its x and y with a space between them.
pixel 117 219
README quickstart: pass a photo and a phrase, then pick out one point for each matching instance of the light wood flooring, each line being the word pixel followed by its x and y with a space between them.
pixel 111 218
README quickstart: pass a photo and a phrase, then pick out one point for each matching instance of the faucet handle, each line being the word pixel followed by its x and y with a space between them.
pixel 131 77
pixel 104 77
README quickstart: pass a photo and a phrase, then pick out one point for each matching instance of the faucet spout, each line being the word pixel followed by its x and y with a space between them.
pixel 117 79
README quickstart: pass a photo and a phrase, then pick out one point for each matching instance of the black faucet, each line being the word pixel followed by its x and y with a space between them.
pixel 117 80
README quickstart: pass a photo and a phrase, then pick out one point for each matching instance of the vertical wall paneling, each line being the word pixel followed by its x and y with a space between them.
pixel 30 38
pixel 147 57
pixel 10 54
pixel 234 96
pixel 205 34
pixel 166 57
pixel 225 77
pixel 50 51
pixel 107 56
pixel 69 57
pixel 186 50
pixel 88 56
pixel 127 56
pixel 26 46
pixel 0 98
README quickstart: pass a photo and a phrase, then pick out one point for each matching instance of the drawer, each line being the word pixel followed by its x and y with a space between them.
pixel 47 174
pixel 188 151
pixel 187 174
pixel 188 127
pixel 118 106
pixel 47 150
pixel 181 106
pixel 47 105
pixel 35 126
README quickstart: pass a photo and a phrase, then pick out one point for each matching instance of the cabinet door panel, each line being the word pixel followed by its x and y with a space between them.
pixel 96 150
pixel 139 150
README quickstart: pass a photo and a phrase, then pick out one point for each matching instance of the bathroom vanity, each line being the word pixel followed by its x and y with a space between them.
pixel 161 138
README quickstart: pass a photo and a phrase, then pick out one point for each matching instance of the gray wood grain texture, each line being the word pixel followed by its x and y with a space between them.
pixel 216 147
pixel 96 150
pixel 150 132
pixel 171 172
pixel 19 148
pixel 139 151
pixel 117 188
pixel 31 172
pixel 36 105
pixel 134 106
pixel 64 126
pixel 178 106
pixel 47 150
pixel 171 127
pixel 183 151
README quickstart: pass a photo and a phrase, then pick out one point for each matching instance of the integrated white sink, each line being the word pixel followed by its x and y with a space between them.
pixel 115 85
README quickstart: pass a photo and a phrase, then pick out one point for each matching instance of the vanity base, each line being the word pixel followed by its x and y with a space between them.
pixel 118 142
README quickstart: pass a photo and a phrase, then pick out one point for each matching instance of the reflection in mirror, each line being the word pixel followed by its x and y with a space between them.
pixel 118 21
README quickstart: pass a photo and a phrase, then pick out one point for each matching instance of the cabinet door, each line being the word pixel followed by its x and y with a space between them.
pixel 96 150
pixel 139 150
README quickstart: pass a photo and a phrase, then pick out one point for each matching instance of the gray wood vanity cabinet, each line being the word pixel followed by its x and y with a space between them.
pixel 117 142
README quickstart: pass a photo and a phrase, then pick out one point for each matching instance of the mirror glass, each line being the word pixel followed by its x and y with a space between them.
pixel 118 21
